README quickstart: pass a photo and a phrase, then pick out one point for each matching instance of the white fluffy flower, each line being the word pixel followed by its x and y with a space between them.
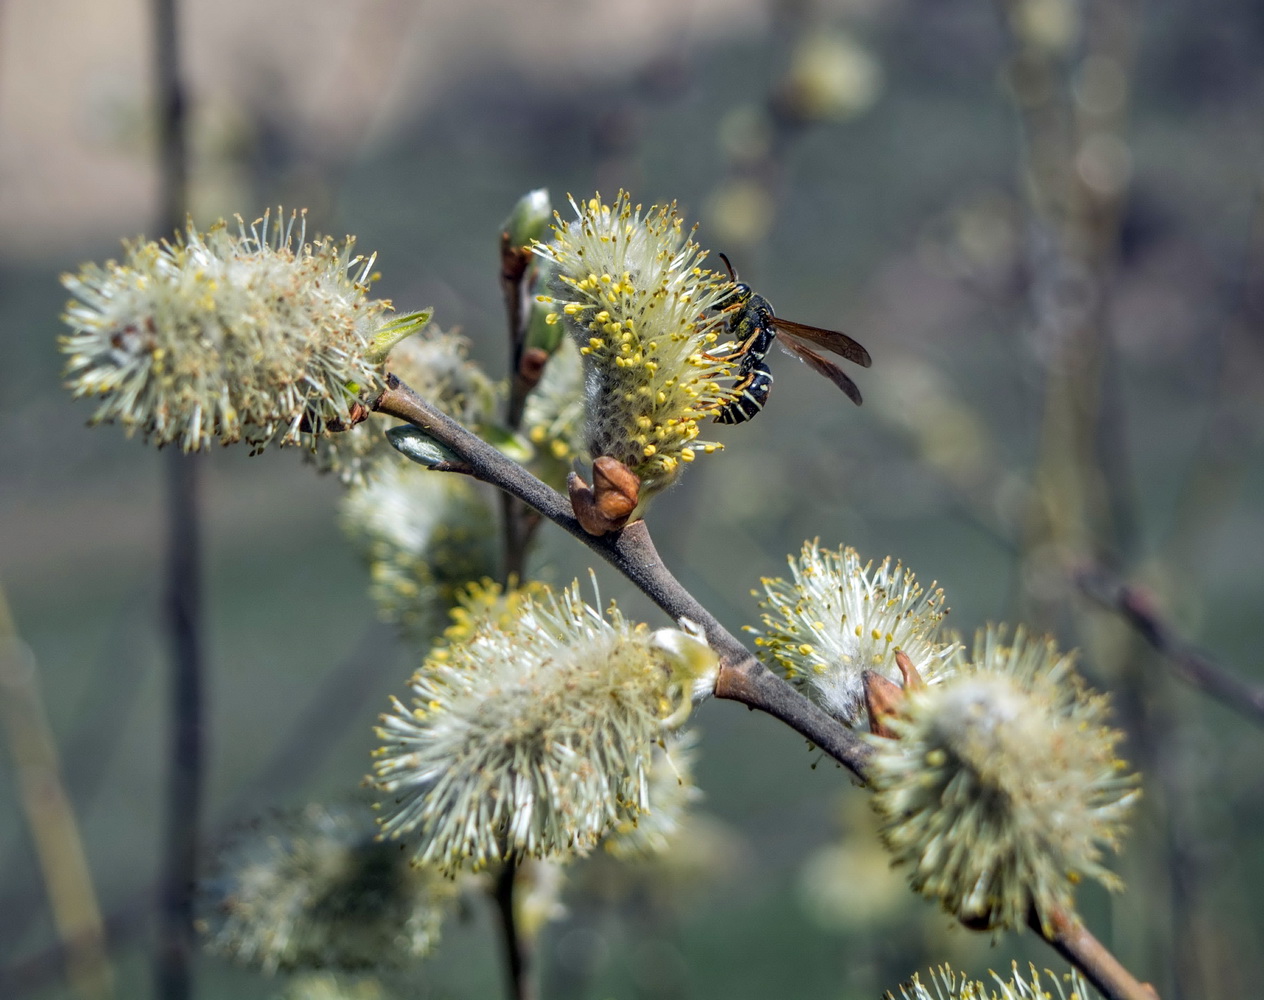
pixel 257 336
pixel 949 985
pixel 316 888
pixel 839 617
pixel 531 732
pixel 425 535
pixel 1001 789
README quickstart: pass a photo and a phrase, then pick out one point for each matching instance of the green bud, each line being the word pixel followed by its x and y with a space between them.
pixel 417 446
pixel 540 332
pixel 395 331
pixel 530 218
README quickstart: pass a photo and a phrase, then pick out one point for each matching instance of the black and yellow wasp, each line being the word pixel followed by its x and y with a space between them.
pixel 754 327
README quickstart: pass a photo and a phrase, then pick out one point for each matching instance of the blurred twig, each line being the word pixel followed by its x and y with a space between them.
pixel 183 598
pixel 295 756
pixel 518 526
pixel 517 949
pixel 518 521
pixel 1137 608
pixel 50 817
pixel 1070 80
pixel 100 723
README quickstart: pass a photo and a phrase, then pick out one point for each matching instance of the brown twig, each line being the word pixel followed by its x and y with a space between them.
pixel 518 522
pixel 741 678
pixel 1072 940
pixel 518 525
pixel 1137 608
pixel 631 551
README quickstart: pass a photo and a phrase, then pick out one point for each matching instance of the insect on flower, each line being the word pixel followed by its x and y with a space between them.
pixel 754 326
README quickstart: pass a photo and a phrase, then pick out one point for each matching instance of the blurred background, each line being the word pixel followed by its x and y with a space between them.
pixel 1040 216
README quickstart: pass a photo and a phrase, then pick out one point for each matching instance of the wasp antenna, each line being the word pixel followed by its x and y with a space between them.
pixel 732 273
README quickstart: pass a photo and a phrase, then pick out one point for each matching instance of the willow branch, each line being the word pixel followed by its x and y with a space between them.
pixel 741 678
pixel 631 551
pixel 1072 940
pixel 1136 608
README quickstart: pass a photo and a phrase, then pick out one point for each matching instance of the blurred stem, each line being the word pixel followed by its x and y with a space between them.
pixel 518 525
pixel 517 951
pixel 290 762
pixel 515 266
pixel 183 598
pixel 517 520
pixel 100 726
pixel 1208 491
pixel 1136 608
pixel 185 774
pixel 1076 179
pixel 50 817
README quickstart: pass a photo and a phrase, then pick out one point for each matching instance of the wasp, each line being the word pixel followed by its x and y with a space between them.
pixel 754 327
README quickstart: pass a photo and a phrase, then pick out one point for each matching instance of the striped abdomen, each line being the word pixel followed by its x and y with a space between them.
pixel 753 392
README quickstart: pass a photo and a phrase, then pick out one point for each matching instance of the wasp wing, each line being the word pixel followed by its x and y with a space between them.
pixel 819 364
pixel 831 340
